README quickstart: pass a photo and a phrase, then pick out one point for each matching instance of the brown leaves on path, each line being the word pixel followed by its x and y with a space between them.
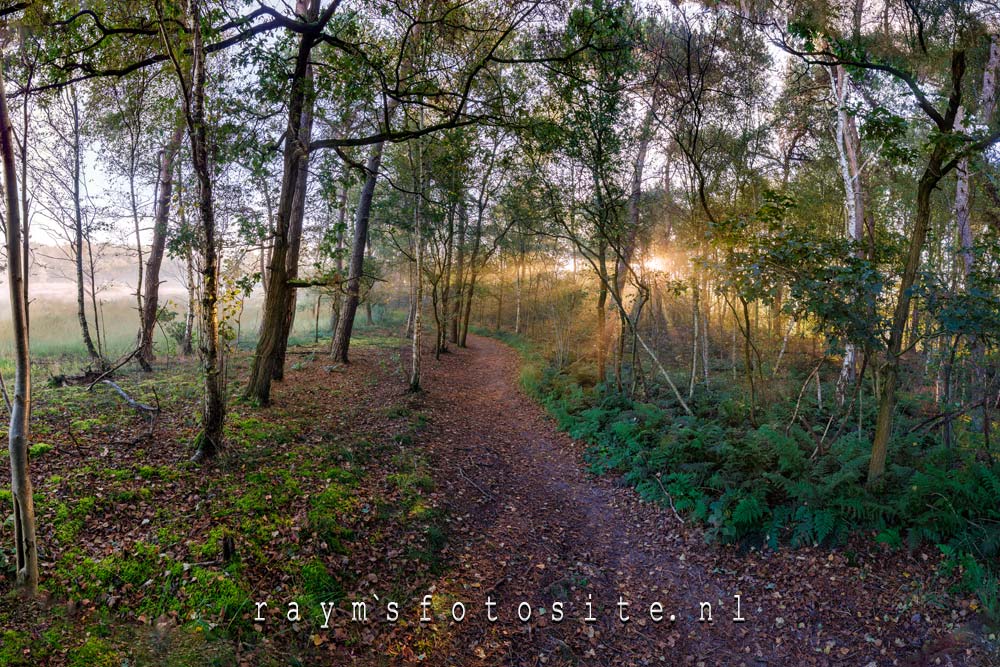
pixel 530 525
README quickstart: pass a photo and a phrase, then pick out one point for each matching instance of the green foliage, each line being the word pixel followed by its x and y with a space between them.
pixel 813 272
pixel 328 508
pixel 39 449
pixel 94 653
pixel 69 519
pixel 196 593
pixel 770 485
pixel 318 584
pixel 15 649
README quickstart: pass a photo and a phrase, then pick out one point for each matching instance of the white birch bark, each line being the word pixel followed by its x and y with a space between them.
pixel 848 148
pixel 987 103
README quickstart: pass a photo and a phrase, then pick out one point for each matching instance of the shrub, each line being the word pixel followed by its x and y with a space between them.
pixel 773 485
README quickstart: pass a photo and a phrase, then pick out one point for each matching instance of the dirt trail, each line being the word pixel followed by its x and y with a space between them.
pixel 529 524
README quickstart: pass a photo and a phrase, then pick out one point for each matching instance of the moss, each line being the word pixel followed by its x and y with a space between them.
pixel 325 513
pixel 212 546
pixel 94 578
pixel 15 649
pixel 253 430
pixel 166 536
pixel 39 449
pixel 84 506
pixel 195 593
pixel 319 584
pixel 266 490
pixel 89 424
pixel 69 519
pixel 215 595
pixel 94 653
pixel 125 496
pixel 150 473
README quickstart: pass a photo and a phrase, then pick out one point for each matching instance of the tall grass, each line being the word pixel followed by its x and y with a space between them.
pixel 56 335
pixel 55 330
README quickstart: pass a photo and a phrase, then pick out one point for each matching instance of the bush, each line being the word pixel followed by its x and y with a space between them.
pixel 770 485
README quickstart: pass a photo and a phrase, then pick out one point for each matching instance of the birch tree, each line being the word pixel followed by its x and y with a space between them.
pixel 191 82
pixel 19 428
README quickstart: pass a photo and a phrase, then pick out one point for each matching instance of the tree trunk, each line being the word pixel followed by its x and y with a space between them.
pixel 78 236
pixel 187 344
pixel 25 545
pixel 25 199
pixel 339 260
pixel 748 361
pixel 499 322
pixel 92 278
pixel 602 315
pixel 265 249
pixel 848 151
pixel 352 297
pixel 473 275
pixel 987 102
pixel 456 315
pixel 925 188
pixel 295 232
pixel 411 308
pixel 209 440
pixel 418 270
pixel 151 295
pixel 890 372
pixel 134 205
pixel 635 198
pixel 417 318
pixel 695 302
pixel 319 299
pixel 342 338
pixel 964 228
pixel 449 251
pixel 518 270
pixel 706 319
pixel 269 356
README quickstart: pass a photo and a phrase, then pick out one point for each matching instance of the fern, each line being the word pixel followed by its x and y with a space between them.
pixel 746 483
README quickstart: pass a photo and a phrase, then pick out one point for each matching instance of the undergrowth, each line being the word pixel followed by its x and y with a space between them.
pixel 781 482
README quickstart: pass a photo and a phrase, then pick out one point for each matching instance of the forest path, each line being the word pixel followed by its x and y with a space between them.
pixel 529 524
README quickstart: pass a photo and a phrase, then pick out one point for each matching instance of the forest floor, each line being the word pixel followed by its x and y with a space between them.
pixel 348 488
pixel 532 525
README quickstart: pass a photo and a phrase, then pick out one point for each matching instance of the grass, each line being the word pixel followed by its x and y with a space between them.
pixel 57 343
pixel 133 534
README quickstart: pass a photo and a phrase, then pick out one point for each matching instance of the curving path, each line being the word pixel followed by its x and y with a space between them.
pixel 529 524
